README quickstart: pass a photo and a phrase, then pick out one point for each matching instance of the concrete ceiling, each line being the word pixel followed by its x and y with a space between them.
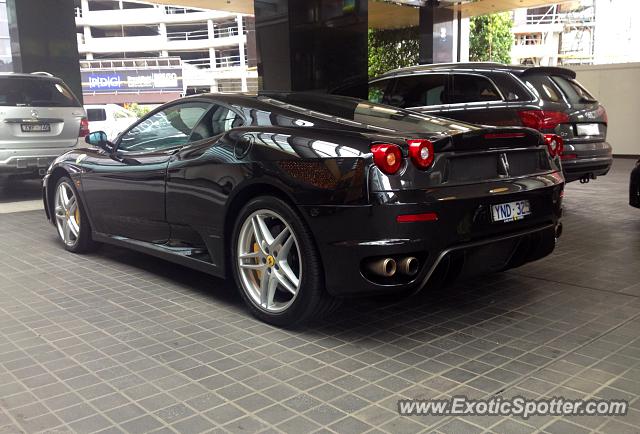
pixel 382 14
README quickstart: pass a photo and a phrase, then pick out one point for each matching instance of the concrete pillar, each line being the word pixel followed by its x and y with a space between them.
pixel 436 34
pixel 212 58
pixel 45 41
pixel 211 30
pixel 299 50
pixel 241 45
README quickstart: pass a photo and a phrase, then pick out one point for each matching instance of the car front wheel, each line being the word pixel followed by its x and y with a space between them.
pixel 276 264
pixel 71 220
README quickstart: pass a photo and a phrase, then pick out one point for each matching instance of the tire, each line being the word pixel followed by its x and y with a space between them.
pixel 254 264
pixel 71 218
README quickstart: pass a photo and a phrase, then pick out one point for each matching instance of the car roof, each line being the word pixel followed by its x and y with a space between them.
pixel 253 98
pixel 31 76
pixel 520 70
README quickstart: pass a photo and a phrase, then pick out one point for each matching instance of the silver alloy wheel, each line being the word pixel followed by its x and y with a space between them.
pixel 67 214
pixel 270 267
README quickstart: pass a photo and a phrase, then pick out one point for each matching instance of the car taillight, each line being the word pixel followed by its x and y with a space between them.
pixel 421 153
pixel 555 144
pixel 569 156
pixel 414 218
pixel 387 157
pixel 542 119
pixel 84 127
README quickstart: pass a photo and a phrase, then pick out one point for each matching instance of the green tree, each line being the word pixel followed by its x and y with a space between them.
pixel 391 49
pixel 490 38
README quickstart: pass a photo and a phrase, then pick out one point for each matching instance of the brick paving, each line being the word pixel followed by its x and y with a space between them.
pixel 118 342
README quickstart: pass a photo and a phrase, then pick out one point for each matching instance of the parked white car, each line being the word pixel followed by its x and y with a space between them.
pixel 110 118
pixel 40 119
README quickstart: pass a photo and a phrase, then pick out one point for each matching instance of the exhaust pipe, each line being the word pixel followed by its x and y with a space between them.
pixel 408 266
pixel 385 267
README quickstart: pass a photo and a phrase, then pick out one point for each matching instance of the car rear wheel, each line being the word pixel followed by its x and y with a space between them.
pixel 71 220
pixel 276 264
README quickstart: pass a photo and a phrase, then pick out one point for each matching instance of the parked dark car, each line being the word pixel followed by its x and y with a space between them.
pixel 634 186
pixel 305 198
pixel 548 99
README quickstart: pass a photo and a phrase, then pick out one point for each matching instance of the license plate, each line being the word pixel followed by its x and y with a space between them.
pixel 512 211
pixel 588 129
pixel 36 128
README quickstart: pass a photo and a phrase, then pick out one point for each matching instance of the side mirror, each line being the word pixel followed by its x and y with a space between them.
pixel 99 139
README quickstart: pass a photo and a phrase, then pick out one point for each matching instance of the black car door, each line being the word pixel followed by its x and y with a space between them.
pixel 125 190
pixel 200 178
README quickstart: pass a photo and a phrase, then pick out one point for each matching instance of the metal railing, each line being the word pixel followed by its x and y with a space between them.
pixel 221 62
pixel 141 62
pixel 174 10
pixel 225 32
pixel 195 35
pixel 529 40
pixel 203 62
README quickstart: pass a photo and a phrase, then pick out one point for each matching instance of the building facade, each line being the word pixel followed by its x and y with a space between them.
pixel 577 32
pixel 215 50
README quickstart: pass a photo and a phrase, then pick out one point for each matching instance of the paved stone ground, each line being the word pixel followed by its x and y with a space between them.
pixel 120 342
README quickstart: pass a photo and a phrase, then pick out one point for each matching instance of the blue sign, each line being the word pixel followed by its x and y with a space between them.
pixel 104 81
pixel 133 80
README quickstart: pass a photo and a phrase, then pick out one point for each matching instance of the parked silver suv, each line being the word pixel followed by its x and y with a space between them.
pixel 40 119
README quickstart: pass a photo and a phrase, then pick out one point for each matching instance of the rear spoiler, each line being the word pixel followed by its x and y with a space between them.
pixel 548 70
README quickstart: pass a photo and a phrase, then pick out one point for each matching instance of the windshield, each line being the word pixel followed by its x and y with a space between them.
pixel 35 92
pixel 364 114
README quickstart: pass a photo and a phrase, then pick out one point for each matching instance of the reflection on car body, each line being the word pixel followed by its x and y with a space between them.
pixel 305 199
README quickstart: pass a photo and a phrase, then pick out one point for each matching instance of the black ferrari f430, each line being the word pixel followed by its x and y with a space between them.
pixel 305 199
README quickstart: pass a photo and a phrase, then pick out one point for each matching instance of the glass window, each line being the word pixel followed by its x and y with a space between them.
pixel 96 115
pixel 35 92
pixel 573 90
pixel 472 88
pixel 217 121
pixel 166 129
pixel 512 88
pixel 377 91
pixel 544 87
pixel 123 114
pixel 418 91
pixel 336 110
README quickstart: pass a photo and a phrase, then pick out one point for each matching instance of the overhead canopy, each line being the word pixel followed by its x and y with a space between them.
pixel 382 14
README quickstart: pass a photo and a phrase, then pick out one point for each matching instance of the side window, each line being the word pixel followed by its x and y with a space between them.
pixel 166 129
pixel 419 90
pixel 218 120
pixel 472 88
pixel 512 88
pixel 545 88
pixel 377 91
pixel 96 115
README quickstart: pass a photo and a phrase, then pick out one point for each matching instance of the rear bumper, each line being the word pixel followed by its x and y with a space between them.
pixel 462 242
pixel 592 160
pixel 17 161
pixel 634 187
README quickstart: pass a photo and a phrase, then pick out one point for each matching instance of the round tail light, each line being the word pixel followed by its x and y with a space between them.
pixel 555 144
pixel 387 157
pixel 421 153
